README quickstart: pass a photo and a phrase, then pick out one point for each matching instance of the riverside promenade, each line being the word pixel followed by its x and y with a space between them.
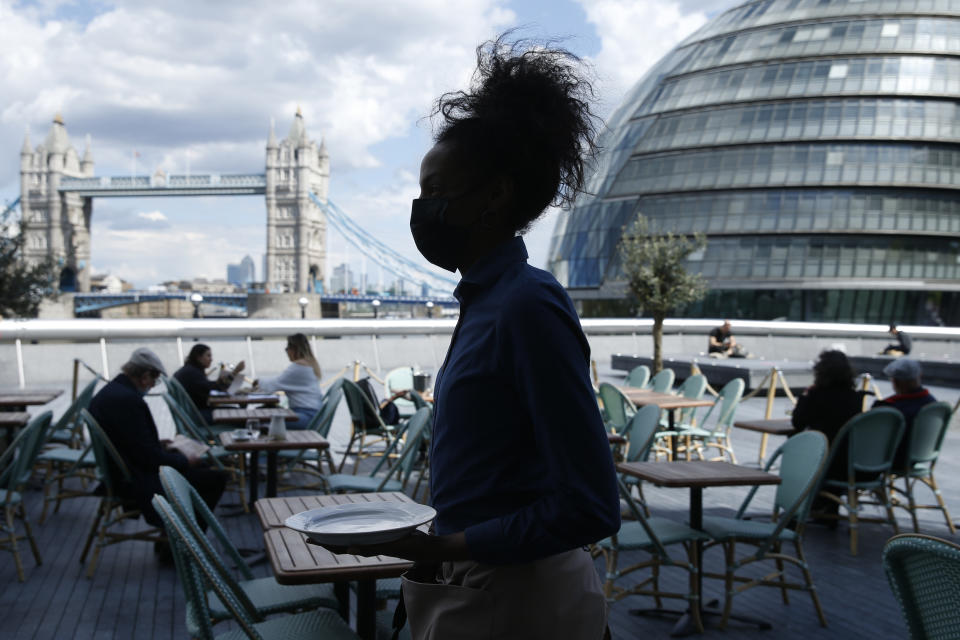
pixel 133 596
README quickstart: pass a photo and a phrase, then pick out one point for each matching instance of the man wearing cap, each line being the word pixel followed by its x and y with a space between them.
pixel 908 398
pixel 120 410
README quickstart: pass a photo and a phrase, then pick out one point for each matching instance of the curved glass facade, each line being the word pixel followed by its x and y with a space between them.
pixel 815 142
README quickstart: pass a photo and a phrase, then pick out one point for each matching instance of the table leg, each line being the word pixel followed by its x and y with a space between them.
pixel 671 423
pixel 253 477
pixel 367 609
pixel 271 474
pixel 685 625
pixel 342 592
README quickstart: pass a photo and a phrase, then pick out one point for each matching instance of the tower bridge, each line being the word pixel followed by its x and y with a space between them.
pixel 58 186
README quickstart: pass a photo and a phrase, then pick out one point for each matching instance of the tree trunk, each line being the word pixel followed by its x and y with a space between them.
pixel 657 343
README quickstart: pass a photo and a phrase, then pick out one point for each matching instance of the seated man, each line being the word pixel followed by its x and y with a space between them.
pixel 120 410
pixel 721 341
pixel 903 345
pixel 908 398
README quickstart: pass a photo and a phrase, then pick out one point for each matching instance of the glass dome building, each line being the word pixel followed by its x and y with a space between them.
pixel 815 142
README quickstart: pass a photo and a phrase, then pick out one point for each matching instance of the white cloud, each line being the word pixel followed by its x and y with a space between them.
pixel 153 216
pixel 634 35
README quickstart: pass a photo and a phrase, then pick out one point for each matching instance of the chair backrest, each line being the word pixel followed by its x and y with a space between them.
pixel 926 435
pixel 189 429
pixel 637 513
pixel 663 381
pixel 197 571
pixel 802 461
pixel 693 387
pixel 404 464
pixel 189 504
pixel 872 439
pixel 728 398
pixel 924 575
pixel 641 431
pixel 616 407
pixel 638 376
pixel 82 401
pixel 324 417
pixel 363 413
pixel 17 460
pixel 186 402
pixel 111 468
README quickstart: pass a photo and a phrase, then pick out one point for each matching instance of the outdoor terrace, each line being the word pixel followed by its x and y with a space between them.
pixel 132 596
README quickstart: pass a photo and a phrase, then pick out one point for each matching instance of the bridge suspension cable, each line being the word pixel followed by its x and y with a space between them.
pixel 381 253
pixel 9 209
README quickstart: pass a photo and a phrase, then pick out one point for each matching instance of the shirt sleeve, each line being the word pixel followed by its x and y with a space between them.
pixel 272 384
pixel 546 358
pixel 141 444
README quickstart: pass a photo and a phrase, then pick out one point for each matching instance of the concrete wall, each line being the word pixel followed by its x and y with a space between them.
pixel 282 305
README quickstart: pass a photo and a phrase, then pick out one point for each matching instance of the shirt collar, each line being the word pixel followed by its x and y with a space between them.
pixel 485 271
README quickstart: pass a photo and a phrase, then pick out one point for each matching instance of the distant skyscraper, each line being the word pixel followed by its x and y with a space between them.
pixel 342 279
pixel 243 273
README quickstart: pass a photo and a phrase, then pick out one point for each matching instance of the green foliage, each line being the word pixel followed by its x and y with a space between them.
pixel 22 285
pixel 653 264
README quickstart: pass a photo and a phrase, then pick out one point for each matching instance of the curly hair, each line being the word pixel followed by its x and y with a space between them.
pixel 526 116
pixel 833 369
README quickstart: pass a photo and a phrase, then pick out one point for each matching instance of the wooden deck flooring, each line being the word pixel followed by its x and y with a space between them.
pixel 132 596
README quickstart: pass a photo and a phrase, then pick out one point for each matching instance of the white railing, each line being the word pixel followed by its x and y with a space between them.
pixel 427 341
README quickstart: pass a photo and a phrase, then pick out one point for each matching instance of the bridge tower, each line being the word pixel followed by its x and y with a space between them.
pixel 56 224
pixel 296 226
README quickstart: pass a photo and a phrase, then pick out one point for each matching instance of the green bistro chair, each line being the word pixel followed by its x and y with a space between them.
pixel 870 442
pixel 801 468
pixel 266 594
pixel 230 461
pixel 638 377
pixel 207 432
pixel 400 379
pixel 74 461
pixel 718 437
pixel 641 433
pixel 662 382
pixel 402 467
pixel 693 387
pixel 617 408
pixel 310 461
pixel 113 509
pixel 198 572
pixel 17 462
pixel 368 427
pixel 926 439
pixel 652 535
pixel 69 429
pixel 924 575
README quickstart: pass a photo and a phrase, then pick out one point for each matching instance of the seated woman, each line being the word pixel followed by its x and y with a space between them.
pixel 828 405
pixel 192 376
pixel 300 381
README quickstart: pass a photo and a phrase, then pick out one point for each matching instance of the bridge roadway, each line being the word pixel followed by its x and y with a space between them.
pixel 211 184
pixel 86 303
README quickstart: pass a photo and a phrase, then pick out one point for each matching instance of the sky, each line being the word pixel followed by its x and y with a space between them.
pixel 180 84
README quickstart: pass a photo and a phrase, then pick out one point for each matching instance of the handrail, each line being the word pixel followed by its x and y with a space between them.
pixel 95 328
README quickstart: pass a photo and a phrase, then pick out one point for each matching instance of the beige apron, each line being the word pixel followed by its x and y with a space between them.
pixel 556 597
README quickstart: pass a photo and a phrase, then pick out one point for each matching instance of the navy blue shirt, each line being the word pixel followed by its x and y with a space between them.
pixel 519 457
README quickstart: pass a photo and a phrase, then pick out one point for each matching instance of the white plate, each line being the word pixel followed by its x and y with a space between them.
pixel 361 522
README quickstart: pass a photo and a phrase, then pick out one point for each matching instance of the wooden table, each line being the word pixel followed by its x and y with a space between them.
pixel 294 561
pixel 296 439
pixel 13 419
pixel 243 399
pixel 668 402
pixel 780 427
pixel 696 475
pixel 240 416
pixel 20 400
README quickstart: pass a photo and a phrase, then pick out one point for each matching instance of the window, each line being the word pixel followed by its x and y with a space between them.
pixel 838 70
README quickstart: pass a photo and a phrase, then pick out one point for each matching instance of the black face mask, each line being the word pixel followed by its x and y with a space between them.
pixel 440 242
